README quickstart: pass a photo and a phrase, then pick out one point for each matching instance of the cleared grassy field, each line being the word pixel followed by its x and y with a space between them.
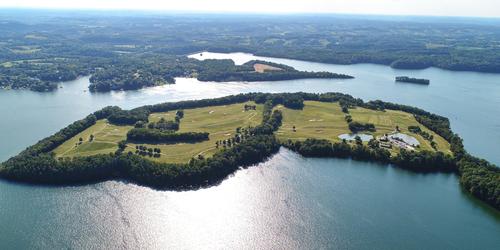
pixel 220 121
pixel 261 68
pixel 7 64
pixel 317 120
pixel 386 122
pixel 106 138
pixel 326 121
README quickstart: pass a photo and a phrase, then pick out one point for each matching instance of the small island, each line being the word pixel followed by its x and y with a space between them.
pixel 412 80
pixel 192 144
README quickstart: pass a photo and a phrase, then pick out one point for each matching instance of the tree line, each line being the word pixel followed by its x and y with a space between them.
pixel 154 136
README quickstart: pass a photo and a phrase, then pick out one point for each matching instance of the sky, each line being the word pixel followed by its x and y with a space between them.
pixel 481 8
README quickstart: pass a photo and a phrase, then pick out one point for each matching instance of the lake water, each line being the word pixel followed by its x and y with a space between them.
pixel 352 137
pixel 406 138
pixel 288 202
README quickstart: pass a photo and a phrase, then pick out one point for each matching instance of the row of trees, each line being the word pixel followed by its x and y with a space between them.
pixel 241 135
pixel 356 127
pixel 424 134
pixel 160 136
pixel 422 161
pixel 145 151
pixel 162 124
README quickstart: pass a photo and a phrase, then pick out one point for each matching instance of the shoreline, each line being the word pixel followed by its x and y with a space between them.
pixel 136 169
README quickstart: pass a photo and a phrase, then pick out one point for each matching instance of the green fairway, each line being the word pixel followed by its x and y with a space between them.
pixel 220 121
pixel 320 120
pixel 317 120
pixel 106 138
pixel 323 120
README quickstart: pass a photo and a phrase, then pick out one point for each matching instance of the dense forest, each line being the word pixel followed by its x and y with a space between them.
pixel 37 164
pixel 140 50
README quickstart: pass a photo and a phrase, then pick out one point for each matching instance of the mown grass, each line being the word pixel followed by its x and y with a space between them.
pixel 386 122
pixel 220 121
pixel 317 120
pixel 326 121
pixel 106 138
pixel 261 68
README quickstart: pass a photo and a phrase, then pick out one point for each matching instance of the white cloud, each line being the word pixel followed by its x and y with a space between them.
pixel 400 7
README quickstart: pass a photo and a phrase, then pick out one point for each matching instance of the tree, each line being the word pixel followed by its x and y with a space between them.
pixel 358 140
pixel 345 109
pixel 373 143
pixel 139 124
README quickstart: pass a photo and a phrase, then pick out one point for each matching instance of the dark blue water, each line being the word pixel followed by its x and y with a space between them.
pixel 287 202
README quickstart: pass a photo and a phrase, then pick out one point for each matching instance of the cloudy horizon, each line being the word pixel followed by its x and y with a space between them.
pixel 478 8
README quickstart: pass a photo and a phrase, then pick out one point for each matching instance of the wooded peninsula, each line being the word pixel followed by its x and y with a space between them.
pixel 191 144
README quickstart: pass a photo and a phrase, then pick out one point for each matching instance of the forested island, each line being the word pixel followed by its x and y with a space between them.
pixel 175 145
pixel 140 51
pixel 412 80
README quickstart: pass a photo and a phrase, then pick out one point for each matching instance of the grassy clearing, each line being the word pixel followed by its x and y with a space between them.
pixel 220 121
pixel 25 49
pixel 317 120
pixel 386 122
pixel 326 121
pixel 261 68
pixel 106 138
pixel 7 64
pixel 35 37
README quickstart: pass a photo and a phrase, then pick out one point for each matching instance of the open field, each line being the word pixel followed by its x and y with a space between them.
pixel 25 49
pixel 7 64
pixel 36 37
pixel 326 121
pixel 106 138
pixel 317 120
pixel 386 122
pixel 220 121
pixel 261 68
